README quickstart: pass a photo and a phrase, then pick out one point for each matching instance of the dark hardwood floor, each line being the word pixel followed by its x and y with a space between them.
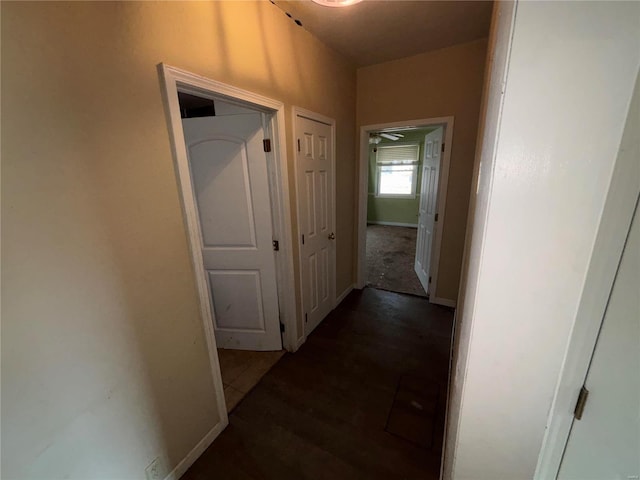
pixel 363 398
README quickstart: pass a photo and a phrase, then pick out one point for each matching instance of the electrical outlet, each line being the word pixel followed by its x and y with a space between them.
pixel 155 470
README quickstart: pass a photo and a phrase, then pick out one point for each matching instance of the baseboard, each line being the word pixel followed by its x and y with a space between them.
pixel 344 294
pixel 445 302
pixel 394 224
pixel 299 343
pixel 195 453
pixel 339 299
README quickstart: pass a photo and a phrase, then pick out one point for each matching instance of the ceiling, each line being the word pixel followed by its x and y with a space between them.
pixel 376 31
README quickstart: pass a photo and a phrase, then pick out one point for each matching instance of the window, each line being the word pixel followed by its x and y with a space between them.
pixel 397 171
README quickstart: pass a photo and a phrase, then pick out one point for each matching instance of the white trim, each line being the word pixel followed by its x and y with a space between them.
pixel 301 112
pixel 445 302
pixel 615 221
pixel 299 343
pixel 344 294
pixel 491 105
pixel 441 208
pixel 363 192
pixel 339 299
pixel 495 77
pixel 393 224
pixel 400 196
pixel 171 80
pixel 285 268
pixel 195 453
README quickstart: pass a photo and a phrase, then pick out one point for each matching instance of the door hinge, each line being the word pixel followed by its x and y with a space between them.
pixel 266 144
pixel 298 144
pixel 276 245
pixel 429 279
pixel 281 327
pixel 582 401
pixel 443 147
pixel 436 217
pixel 303 238
pixel 305 318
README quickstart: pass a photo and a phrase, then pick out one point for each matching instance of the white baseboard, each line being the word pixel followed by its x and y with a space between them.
pixel 339 299
pixel 344 294
pixel 195 453
pixel 445 302
pixel 299 343
pixel 394 224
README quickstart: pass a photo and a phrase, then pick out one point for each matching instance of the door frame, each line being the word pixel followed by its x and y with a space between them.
pixel 443 182
pixel 615 222
pixel 172 80
pixel 295 112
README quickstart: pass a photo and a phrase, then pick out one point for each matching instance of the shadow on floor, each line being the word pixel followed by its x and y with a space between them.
pixel 363 398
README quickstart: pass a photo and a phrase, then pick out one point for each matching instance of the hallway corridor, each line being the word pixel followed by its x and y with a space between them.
pixel 363 398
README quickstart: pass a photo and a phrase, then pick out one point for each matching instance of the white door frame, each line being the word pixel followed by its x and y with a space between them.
pixel 173 79
pixel 295 112
pixel 363 187
pixel 623 194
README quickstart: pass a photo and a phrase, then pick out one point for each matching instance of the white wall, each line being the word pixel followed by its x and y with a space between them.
pixel 491 109
pixel 542 187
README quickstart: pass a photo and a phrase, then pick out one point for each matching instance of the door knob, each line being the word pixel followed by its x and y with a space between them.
pixel 332 236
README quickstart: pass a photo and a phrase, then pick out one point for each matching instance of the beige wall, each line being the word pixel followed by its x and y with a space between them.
pixel 434 84
pixel 104 365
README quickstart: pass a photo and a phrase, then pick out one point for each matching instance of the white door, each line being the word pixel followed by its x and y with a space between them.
pixel 314 172
pixel 605 443
pixel 229 175
pixel 427 222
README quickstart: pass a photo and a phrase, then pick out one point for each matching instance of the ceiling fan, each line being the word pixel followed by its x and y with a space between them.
pixel 376 138
pixel 392 136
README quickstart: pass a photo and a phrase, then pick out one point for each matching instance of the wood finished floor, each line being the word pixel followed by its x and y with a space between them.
pixel 363 398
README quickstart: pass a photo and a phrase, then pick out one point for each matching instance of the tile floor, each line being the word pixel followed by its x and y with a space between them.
pixel 242 370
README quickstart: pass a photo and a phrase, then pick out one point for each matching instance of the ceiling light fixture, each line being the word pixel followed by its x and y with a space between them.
pixel 336 3
pixel 374 139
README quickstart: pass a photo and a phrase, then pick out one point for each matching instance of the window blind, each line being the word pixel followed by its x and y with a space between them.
pixel 398 155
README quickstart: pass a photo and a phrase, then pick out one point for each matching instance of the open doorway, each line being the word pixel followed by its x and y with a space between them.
pixel 229 174
pixel 393 208
pixel 230 170
pixel 404 169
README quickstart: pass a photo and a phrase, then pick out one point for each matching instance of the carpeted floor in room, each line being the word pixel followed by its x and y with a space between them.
pixel 390 258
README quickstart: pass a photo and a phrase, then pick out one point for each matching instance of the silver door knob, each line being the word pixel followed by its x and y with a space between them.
pixel 332 236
